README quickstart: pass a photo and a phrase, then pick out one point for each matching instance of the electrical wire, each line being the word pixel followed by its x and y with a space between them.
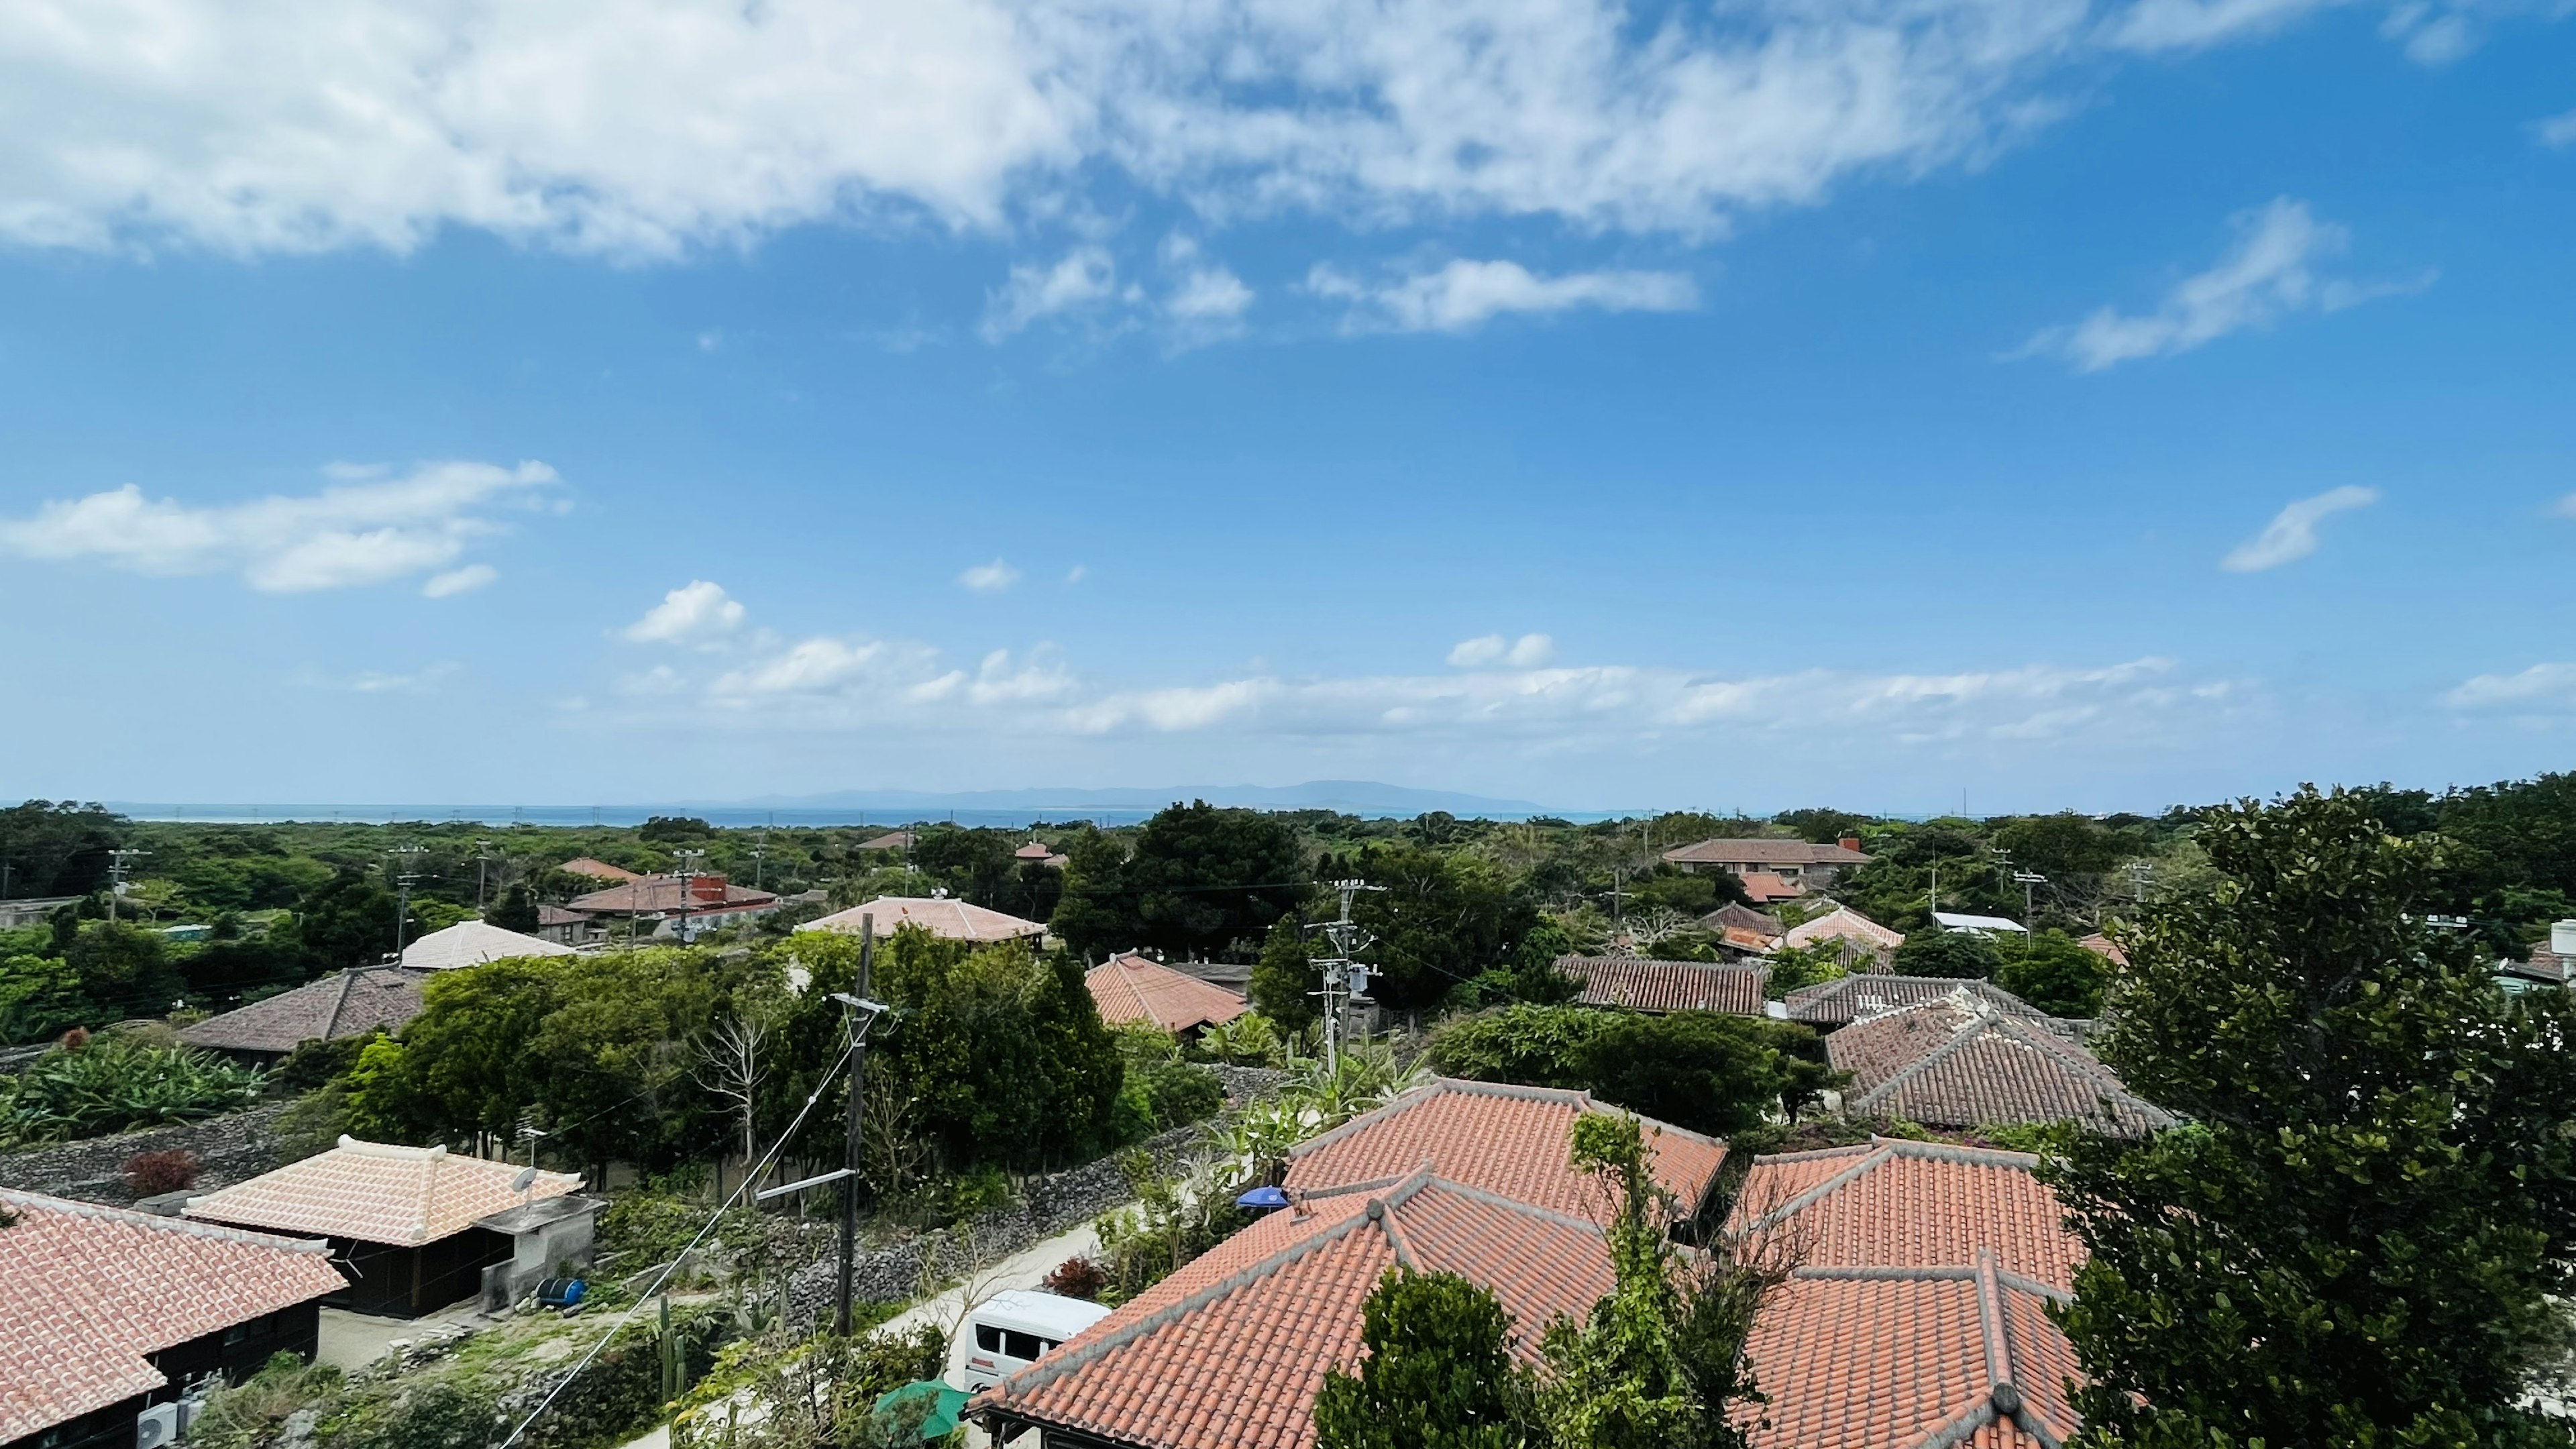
pixel 682 1256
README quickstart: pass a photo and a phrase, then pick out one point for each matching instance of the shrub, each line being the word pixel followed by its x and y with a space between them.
pixel 1176 1093
pixel 115 1083
pixel 1077 1277
pixel 1962 955
pixel 149 1174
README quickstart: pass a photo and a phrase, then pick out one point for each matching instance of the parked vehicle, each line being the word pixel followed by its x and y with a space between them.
pixel 1013 1329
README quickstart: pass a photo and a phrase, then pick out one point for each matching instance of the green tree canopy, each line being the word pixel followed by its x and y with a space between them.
pixel 2357 1239
pixel 58 849
pixel 1701 1070
pixel 1440 920
pixel 1962 955
pixel 2056 975
pixel 349 922
pixel 1201 882
pixel 1439 1372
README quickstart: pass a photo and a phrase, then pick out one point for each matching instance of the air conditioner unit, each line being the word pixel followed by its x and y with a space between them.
pixel 157 1427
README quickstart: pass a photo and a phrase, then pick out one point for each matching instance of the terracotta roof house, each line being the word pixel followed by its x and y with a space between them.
pixel 701 901
pixel 1734 917
pixel 1645 985
pixel 2105 947
pixel 105 1313
pixel 471 943
pixel 943 916
pixel 1763 887
pixel 1960 1062
pixel 1842 923
pixel 1494 1137
pixel 1862 996
pixel 1228 1353
pixel 343 1004
pixel 597 869
pixel 1796 863
pixel 1131 989
pixel 1915 1318
pixel 416 1225
pixel 567 928
pixel 891 840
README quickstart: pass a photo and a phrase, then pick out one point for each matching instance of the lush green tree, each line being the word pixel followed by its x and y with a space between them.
pixel 1439 1372
pixel 1201 882
pixel 58 849
pixel 1963 955
pixel 974 864
pixel 1795 966
pixel 1440 920
pixel 41 998
pixel 1822 826
pixel 2056 975
pixel 2359 1237
pixel 125 969
pixel 674 830
pixel 350 922
pixel 1538 1046
pixel 223 973
pixel 1697 1069
pixel 1285 979
pixel 516 910
pixel 2062 845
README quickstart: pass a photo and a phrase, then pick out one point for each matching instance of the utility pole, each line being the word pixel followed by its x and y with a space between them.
pixel 405 877
pixel 863 1013
pixel 2028 879
pixel 687 861
pixel 760 851
pixel 1618 902
pixel 118 863
pixel 1344 977
pixel 482 856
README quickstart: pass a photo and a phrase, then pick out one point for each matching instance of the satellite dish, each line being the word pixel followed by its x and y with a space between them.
pixel 527 1175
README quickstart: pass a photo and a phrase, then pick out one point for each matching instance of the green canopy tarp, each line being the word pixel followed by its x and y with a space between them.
pixel 943 1404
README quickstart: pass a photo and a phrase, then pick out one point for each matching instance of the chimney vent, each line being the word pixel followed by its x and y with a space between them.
pixel 1850 843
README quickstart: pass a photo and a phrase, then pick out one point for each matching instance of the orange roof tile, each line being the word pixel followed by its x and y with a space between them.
pixel 596 869
pixel 1765 886
pixel 1961 1062
pixel 1229 1352
pixel 2103 946
pixel 1130 988
pixel 1916 1316
pixel 1503 1139
pixel 87 1291
pixel 378 1193
pixel 1668 985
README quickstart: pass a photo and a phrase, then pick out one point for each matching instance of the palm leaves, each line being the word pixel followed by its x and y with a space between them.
pixel 115 1084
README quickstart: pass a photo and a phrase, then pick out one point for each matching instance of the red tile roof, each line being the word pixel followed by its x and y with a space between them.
pixel 943 916
pixel 1130 988
pixel 662 893
pixel 1667 985
pixel 1842 923
pixel 1503 1139
pixel 1865 994
pixel 1960 1062
pixel 1763 852
pixel 86 1292
pixel 596 869
pixel 1228 1353
pixel 891 840
pixel 378 1193
pixel 1916 1316
pixel 2103 946
pixel 1732 915
pixel 1765 886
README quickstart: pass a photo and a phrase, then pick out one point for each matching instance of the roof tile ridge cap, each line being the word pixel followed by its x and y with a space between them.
pixel 1993 1329
pixel 340 1003
pixel 1405 1101
pixel 1056 1365
pixel 1830 1185
pixel 1508 1203
pixel 1959 1037
pixel 1520 1091
pixel 1886 1272
pixel 2020 1283
pixel 1970 1156
pixel 1381 1211
pixel 1812 1154
pixel 191 1227
pixel 1345 1189
pixel 1960 1427
pixel 1590 1103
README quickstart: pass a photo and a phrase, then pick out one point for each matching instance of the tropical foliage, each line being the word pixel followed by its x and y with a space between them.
pixel 115 1082
pixel 1701 1070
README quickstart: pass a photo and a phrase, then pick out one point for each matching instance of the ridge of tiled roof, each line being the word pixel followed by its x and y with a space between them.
pixel 378 1192
pixel 1764 850
pixel 348 1003
pixel 1133 988
pixel 1646 984
pixel 1843 923
pixel 2042 1076
pixel 1687 1163
pixel 945 916
pixel 87 1292
pixel 1821 1002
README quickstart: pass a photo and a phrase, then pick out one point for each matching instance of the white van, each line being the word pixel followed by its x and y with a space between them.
pixel 1012 1329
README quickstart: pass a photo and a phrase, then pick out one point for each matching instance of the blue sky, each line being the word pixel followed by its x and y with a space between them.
pixel 2096 406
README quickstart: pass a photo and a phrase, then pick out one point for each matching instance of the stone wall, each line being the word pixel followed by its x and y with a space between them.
pixel 230 1148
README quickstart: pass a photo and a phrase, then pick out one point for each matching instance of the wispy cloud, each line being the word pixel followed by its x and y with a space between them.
pixel 2543 688
pixel 697 614
pixel 1085 277
pixel 1527 652
pixel 369 529
pixel 459 581
pixel 1465 294
pixel 990 578
pixel 2268 275
pixel 2198 24
pixel 2558 130
pixel 2292 533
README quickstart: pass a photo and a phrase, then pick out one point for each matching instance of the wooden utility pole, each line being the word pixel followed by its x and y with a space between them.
pixel 850 1142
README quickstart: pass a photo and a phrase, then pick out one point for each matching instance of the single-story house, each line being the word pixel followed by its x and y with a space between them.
pixel 1133 989
pixel 107 1315
pixel 1733 917
pixel 1038 852
pixel 416 1226
pixel 568 928
pixel 597 870
pixel 2106 948
pixel 343 1004
pixel 891 840
pixel 1858 935
pixel 1829 1004
pixel 1463 1177
pixel 943 916
pixel 677 904
pixel 1915 1315
pixel 471 943
pixel 31 910
pixel 1960 1062
pixel 1762 887
pixel 1797 863
pixel 1658 986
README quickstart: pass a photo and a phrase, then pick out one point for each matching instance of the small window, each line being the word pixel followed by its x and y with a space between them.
pixel 988 1338
pixel 1020 1345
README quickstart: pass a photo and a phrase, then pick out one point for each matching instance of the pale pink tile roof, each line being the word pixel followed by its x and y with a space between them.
pixel 596 869
pixel 378 1193
pixel 1842 923
pixel 1130 988
pixel 87 1291
pixel 1504 1139
pixel 943 916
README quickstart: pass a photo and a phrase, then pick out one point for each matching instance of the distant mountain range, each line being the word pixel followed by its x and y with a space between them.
pixel 1350 797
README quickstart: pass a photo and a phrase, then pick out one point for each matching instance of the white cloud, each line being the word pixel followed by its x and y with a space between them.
pixel 2196 24
pixel 2565 507
pixel 2541 688
pixel 1464 294
pixel 1209 294
pixel 2269 275
pixel 459 581
pixel 697 614
pixel 2558 130
pixel 368 530
pixel 991 578
pixel 425 680
pixel 1084 278
pixel 2292 533
pixel 1077 573
pixel 1527 652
